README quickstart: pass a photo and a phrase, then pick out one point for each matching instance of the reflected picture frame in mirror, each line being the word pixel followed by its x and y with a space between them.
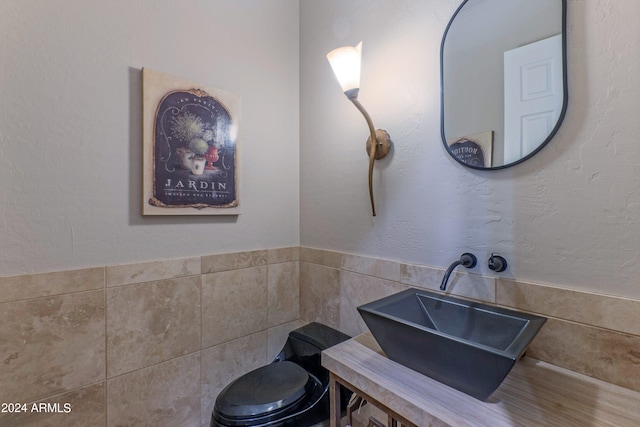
pixel 503 93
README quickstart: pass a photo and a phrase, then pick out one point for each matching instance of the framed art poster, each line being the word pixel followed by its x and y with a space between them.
pixel 190 148
pixel 474 150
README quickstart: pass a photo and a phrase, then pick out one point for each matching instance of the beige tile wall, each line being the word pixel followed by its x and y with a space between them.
pixel 148 344
pixel 596 335
pixel 152 344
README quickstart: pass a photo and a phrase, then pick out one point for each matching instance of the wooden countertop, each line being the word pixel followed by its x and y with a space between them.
pixel 534 393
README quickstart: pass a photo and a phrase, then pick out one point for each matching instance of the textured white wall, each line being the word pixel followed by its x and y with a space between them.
pixel 70 150
pixel 70 126
pixel 569 217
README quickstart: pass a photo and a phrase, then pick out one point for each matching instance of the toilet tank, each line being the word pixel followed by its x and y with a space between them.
pixel 305 345
pixel 313 338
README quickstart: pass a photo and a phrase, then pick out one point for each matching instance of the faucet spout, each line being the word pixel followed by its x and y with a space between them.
pixel 466 260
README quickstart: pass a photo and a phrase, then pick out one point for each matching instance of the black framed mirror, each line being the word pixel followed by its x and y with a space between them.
pixel 503 76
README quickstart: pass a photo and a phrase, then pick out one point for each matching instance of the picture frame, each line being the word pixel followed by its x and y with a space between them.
pixel 191 147
pixel 475 149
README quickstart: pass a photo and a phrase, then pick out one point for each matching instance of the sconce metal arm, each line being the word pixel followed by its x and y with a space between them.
pixel 372 150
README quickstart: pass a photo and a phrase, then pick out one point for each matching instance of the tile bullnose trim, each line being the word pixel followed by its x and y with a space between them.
pixel 37 285
pixel 321 257
pixel 371 266
pixel 233 261
pixel 284 254
pixel 151 271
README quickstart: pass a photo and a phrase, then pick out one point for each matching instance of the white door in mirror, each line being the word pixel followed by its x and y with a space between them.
pixel 533 95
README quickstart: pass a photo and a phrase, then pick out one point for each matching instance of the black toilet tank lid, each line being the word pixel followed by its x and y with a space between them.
pixel 263 390
pixel 319 335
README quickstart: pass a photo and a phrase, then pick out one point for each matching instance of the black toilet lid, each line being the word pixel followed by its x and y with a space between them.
pixel 272 387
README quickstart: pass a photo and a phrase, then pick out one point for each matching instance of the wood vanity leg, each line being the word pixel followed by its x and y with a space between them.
pixel 334 396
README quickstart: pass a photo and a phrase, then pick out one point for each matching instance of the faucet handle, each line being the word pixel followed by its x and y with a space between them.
pixel 497 263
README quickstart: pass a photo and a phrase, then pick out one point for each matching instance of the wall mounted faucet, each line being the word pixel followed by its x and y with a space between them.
pixel 466 260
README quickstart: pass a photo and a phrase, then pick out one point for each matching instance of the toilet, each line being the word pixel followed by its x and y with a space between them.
pixel 293 390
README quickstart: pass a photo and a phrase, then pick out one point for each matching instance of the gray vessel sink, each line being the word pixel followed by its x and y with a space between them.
pixel 466 345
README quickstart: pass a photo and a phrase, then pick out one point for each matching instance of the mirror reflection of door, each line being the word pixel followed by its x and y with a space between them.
pixel 532 95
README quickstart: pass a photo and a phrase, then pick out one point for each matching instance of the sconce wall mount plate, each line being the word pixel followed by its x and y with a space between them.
pixel 383 144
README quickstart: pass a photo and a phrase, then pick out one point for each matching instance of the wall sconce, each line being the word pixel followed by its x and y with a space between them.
pixel 345 62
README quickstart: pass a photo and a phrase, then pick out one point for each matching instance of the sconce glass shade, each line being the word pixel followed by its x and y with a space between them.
pixel 345 62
